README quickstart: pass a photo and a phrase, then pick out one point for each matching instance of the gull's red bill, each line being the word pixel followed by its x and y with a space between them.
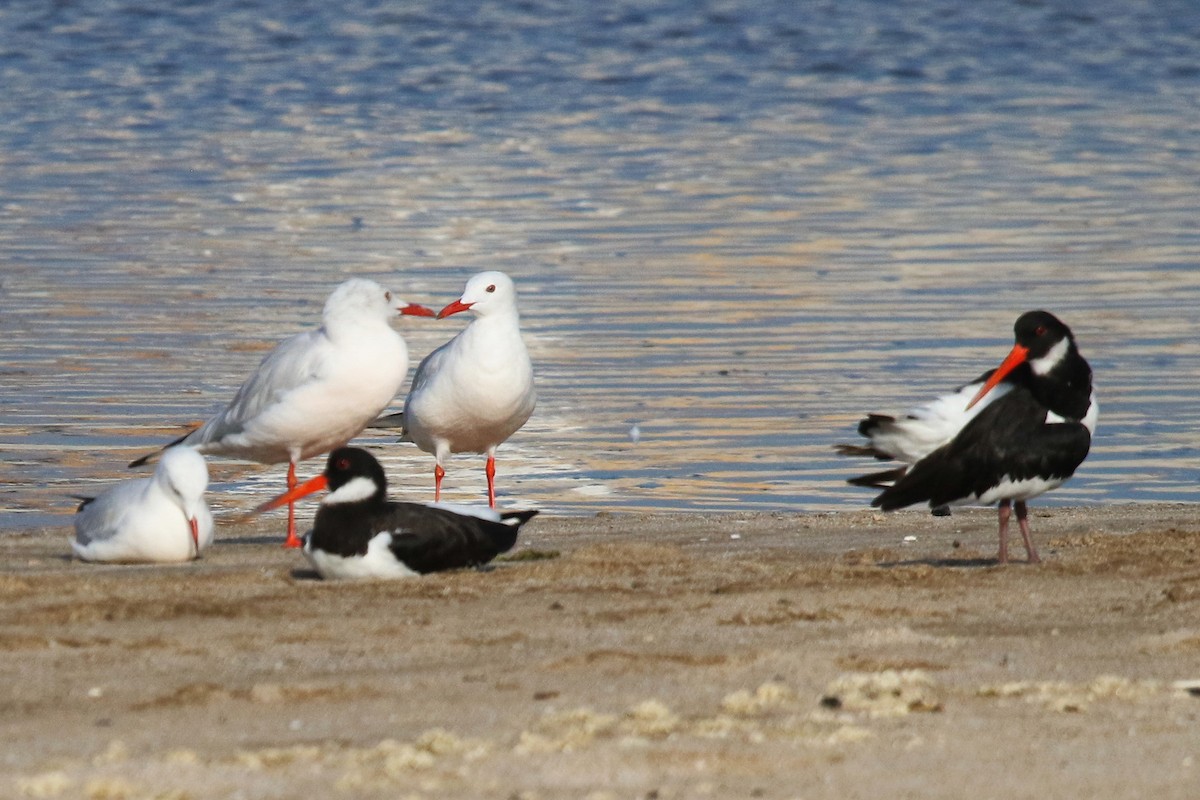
pixel 454 308
pixel 417 310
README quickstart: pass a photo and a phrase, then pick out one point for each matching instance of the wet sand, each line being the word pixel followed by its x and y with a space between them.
pixel 624 656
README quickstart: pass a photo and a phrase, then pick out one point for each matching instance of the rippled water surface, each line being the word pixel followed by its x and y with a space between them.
pixel 736 225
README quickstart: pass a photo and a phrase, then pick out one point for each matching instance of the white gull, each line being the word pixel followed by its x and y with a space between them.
pixel 475 391
pixel 316 390
pixel 160 518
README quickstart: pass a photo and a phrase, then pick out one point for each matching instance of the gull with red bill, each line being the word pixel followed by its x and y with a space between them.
pixel 316 390
pixel 359 533
pixel 475 391
pixel 1013 434
pixel 162 518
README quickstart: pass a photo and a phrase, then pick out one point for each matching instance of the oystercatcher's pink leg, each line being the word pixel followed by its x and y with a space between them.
pixel 1005 510
pixel 1023 522
pixel 292 539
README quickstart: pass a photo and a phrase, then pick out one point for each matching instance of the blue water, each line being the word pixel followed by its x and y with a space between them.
pixel 739 225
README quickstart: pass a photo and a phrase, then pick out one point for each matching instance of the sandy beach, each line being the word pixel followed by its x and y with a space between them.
pixel 736 228
pixel 836 655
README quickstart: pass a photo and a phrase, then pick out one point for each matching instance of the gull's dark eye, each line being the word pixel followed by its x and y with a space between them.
pixel 491 288
pixel 387 296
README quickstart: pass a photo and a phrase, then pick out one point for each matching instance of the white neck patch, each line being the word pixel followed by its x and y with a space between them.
pixel 1041 366
pixel 357 489
pixel 1089 417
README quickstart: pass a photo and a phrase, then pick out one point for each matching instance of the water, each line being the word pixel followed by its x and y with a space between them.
pixel 737 226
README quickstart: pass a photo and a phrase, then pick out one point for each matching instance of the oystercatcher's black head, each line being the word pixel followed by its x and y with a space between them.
pixel 352 475
pixel 1043 342
pixel 1039 332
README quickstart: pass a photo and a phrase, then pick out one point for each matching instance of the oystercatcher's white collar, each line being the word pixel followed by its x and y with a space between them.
pixel 1054 356
pixel 352 491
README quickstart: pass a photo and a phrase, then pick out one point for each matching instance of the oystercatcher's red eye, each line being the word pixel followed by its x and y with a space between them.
pixel 1040 330
pixel 491 288
pixel 343 463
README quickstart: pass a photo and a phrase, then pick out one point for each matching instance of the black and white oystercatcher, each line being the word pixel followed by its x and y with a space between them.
pixel 316 390
pixel 1017 432
pixel 359 533
pixel 476 390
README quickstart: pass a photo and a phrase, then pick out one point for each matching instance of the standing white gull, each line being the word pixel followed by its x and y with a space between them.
pixel 316 390
pixel 160 518
pixel 476 390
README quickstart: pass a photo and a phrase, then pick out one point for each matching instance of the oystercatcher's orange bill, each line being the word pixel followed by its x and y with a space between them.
pixel 1015 358
pixel 295 493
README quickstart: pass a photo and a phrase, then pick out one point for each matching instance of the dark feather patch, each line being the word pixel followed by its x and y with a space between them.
pixel 425 538
pixel 879 480
pixel 394 420
pixel 1009 439
pixel 151 457
pixel 859 450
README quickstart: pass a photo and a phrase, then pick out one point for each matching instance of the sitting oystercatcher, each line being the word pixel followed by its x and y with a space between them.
pixel 1018 431
pixel 359 533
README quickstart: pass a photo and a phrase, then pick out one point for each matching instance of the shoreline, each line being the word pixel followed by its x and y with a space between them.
pixel 621 655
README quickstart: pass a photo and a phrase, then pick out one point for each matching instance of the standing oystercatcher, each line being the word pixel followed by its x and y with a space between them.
pixel 316 390
pixel 160 518
pixel 359 533
pixel 1019 431
pixel 476 390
